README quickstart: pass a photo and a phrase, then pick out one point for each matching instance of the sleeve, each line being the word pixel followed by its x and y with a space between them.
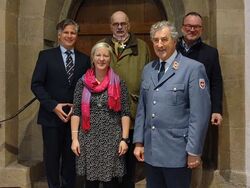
pixel 138 136
pixel 216 85
pixel 77 98
pixel 38 84
pixel 125 100
pixel 200 107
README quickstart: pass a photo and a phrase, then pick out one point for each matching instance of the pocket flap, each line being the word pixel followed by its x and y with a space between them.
pixel 175 87
pixel 179 132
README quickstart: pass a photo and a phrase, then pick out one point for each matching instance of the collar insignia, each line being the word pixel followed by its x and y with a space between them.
pixel 175 65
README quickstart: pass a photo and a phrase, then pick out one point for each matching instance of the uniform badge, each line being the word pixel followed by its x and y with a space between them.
pixel 202 83
pixel 175 65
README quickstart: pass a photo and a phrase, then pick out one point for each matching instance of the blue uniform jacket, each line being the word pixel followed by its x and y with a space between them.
pixel 173 114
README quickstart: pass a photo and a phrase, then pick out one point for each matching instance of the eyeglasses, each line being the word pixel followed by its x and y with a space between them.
pixel 122 24
pixel 195 27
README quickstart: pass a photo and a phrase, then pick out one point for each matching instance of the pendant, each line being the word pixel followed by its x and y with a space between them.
pixel 99 104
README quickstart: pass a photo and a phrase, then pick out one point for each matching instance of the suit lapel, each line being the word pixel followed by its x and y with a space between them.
pixel 77 65
pixel 170 72
pixel 61 65
pixel 154 73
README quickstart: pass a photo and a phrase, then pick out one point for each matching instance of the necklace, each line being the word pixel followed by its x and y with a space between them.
pixel 99 100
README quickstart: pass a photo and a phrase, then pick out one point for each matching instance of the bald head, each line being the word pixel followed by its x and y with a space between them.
pixel 120 15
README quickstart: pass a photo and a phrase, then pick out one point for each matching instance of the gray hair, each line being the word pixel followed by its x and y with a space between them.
pixel 64 23
pixel 100 45
pixel 160 25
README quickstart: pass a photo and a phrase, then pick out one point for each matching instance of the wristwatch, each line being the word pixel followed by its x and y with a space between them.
pixel 127 140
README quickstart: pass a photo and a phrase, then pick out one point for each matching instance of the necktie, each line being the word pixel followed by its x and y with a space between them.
pixel 162 70
pixel 69 65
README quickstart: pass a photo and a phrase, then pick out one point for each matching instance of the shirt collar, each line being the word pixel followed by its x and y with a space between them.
pixel 63 50
pixel 170 59
pixel 186 47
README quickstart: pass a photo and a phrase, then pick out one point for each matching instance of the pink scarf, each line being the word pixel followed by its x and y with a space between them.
pixel 110 82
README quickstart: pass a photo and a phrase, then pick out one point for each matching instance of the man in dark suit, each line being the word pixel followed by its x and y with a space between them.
pixel 53 82
pixel 191 45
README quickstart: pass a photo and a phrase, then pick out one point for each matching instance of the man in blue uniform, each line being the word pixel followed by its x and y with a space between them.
pixel 172 114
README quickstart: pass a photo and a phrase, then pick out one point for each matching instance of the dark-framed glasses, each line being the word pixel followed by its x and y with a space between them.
pixel 189 26
pixel 122 24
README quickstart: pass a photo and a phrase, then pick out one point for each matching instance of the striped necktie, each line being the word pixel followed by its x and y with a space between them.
pixel 69 65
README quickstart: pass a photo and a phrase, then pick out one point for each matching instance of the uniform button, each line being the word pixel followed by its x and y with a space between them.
pixel 153 115
pixel 175 89
pixel 154 102
pixel 157 89
pixel 153 127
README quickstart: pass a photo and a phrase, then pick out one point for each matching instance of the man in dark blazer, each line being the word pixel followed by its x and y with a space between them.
pixel 172 114
pixel 191 45
pixel 53 82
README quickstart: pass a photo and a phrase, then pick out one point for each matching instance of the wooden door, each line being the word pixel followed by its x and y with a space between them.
pixel 94 19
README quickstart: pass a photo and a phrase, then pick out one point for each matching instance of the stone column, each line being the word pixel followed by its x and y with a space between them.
pixel 11 174
pixel 9 81
pixel 12 78
pixel 230 42
pixel 247 88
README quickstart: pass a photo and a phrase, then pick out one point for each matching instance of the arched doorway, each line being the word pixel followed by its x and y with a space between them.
pixel 94 19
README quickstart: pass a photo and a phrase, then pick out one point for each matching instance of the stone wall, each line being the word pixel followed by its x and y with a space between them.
pixel 230 42
pixel 28 26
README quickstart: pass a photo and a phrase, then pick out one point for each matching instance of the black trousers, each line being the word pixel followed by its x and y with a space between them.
pixel 95 184
pixel 58 157
pixel 128 180
pixel 210 150
pixel 158 177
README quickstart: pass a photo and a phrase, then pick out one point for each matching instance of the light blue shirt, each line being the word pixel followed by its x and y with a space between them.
pixel 64 55
pixel 169 61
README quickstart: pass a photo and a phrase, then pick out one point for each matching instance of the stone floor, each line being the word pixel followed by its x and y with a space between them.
pixel 42 183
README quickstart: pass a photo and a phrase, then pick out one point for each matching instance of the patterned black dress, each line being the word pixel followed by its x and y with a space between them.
pixel 99 159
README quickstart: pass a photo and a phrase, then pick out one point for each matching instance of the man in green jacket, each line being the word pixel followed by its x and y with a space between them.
pixel 130 56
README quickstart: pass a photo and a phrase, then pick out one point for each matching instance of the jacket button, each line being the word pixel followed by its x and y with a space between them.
pixel 153 115
pixel 153 127
pixel 157 89
pixel 154 102
pixel 175 89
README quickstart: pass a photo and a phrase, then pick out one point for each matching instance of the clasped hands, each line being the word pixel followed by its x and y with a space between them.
pixel 65 117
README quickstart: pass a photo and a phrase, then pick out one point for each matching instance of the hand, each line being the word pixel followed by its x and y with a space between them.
pixel 70 111
pixel 193 161
pixel 60 112
pixel 123 148
pixel 139 152
pixel 216 119
pixel 75 147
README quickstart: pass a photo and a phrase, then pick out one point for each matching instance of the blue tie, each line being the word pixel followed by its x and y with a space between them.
pixel 162 70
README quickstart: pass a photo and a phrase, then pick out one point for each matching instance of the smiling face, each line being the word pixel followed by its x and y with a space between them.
pixel 163 43
pixel 101 59
pixel 119 25
pixel 191 28
pixel 67 37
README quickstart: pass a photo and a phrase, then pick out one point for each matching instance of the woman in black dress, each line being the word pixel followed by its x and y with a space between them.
pixel 101 108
